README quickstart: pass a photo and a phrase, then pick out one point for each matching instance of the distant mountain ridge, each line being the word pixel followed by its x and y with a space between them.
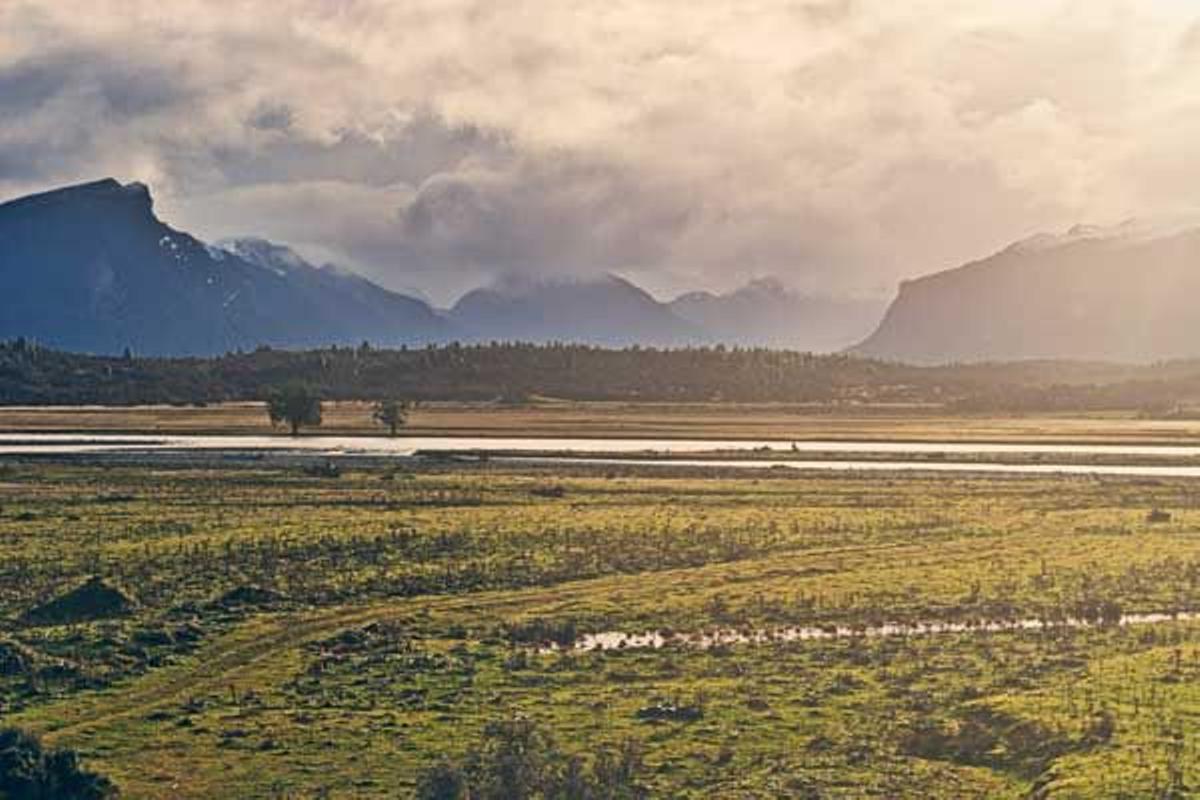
pixel 349 303
pixel 91 268
pixel 608 311
pixel 766 312
pixel 1124 294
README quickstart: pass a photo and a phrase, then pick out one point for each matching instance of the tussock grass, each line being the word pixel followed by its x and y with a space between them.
pixel 365 629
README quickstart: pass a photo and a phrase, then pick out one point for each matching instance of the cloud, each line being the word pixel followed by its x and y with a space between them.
pixel 268 116
pixel 553 212
pixel 58 108
pixel 550 216
pixel 841 144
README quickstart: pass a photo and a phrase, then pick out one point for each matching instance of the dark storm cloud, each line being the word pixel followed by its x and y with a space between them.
pixel 268 116
pixel 499 214
pixel 58 106
pixel 837 143
pixel 409 151
pixel 549 214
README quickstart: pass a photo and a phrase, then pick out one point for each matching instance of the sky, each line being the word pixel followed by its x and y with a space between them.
pixel 434 145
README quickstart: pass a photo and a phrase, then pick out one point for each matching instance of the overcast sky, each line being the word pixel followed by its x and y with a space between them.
pixel 839 144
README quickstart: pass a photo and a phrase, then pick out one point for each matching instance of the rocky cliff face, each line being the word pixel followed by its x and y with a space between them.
pixel 1123 294
pixel 91 268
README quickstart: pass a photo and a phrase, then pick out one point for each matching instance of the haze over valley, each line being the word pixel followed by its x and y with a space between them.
pixel 592 400
pixel 120 278
pixel 598 177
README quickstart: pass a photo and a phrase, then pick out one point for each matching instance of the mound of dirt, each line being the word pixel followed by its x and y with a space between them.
pixel 15 658
pixel 248 596
pixel 94 599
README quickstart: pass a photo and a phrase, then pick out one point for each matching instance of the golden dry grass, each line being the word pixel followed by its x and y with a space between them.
pixel 768 422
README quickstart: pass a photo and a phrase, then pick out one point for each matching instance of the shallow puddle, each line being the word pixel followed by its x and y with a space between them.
pixel 703 640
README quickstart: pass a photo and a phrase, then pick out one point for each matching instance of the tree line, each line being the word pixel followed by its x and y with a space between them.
pixel 516 372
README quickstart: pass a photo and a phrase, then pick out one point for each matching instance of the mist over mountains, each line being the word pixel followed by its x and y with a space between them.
pixel 91 268
pixel 1119 294
pixel 767 312
pixel 607 311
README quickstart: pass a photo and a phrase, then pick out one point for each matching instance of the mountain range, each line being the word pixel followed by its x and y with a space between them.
pixel 91 268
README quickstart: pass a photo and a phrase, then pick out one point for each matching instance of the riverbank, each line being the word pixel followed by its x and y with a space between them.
pixel 714 456
pixel 768 422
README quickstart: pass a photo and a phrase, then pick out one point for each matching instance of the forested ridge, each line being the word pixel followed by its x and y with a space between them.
pixel 516 372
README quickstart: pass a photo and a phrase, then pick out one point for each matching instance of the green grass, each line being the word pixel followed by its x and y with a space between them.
pixel 387 640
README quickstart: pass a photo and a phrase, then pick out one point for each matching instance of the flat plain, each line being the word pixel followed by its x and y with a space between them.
pixel 287 630
pixel 595 419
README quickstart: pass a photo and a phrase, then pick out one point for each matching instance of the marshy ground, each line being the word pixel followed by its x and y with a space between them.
pixel 291 632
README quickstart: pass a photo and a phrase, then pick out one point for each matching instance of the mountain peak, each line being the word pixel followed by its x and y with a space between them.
pixel 599 309
pixel 116 276
pixel 1120 293
pixel 277 258
pixel 766 284
pixel 93 195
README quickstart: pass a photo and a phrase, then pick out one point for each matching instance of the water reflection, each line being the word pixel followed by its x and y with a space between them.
pixel 703 640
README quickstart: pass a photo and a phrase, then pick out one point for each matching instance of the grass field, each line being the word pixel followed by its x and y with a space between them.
pixel 305 636
pixel 776 422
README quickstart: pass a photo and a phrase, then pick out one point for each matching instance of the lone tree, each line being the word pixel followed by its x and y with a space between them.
pixel 295 405
pixel 391 414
